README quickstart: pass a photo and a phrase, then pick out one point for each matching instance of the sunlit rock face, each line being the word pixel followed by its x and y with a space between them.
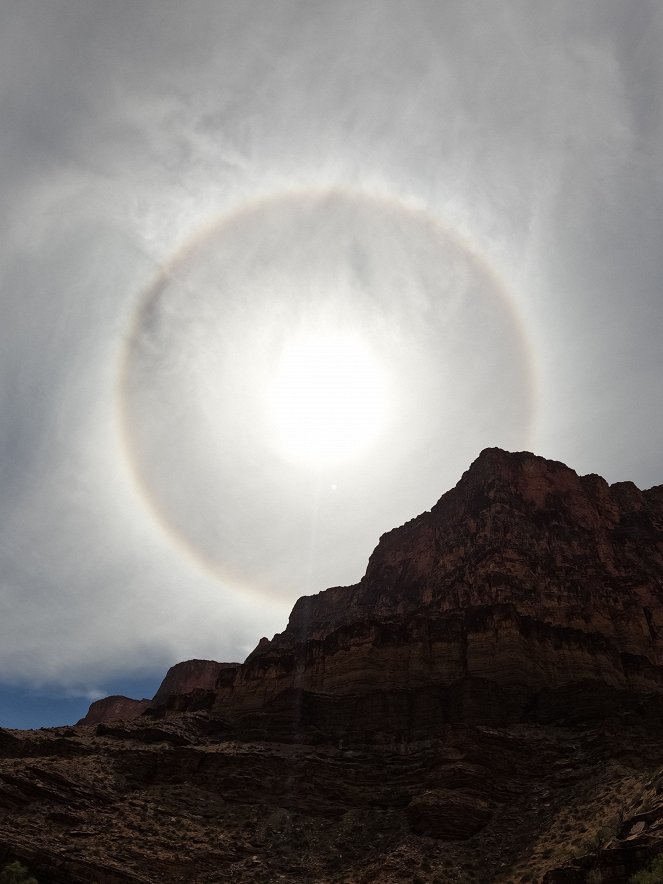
pixel 525 576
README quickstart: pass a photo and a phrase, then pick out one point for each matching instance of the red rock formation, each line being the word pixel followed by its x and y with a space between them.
pixel 116 708
pixel 525 574
pixel 191 675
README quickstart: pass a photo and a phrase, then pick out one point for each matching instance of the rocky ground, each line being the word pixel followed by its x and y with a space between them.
pixel 174 802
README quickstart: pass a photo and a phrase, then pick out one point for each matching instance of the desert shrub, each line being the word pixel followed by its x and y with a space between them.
pixel 15 873
pixel 653 874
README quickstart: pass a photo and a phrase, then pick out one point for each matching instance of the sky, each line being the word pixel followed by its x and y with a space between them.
pixel 273 274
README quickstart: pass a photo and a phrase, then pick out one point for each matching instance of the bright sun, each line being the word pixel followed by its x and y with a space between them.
pixel 327 400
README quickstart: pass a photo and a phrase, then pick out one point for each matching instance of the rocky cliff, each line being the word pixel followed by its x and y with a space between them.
pixel 191 675
pixel 485 705
pixel 525 576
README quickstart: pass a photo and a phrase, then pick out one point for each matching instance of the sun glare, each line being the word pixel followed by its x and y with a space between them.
pixel 327 400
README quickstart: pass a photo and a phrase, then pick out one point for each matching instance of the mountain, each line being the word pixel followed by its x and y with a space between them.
pixel 484 705
pixel 523 579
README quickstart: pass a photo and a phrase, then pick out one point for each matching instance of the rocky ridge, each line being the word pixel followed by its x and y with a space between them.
pixel 525 575
pixel 485 705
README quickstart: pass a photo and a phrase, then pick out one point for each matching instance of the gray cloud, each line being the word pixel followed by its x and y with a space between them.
pixel 531 131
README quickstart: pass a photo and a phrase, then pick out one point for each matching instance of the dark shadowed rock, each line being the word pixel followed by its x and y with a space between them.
pixel 191 675
pixel 448 815
pixel 115 708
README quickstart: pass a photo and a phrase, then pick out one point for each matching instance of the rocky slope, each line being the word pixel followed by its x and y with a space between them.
pixel 485 705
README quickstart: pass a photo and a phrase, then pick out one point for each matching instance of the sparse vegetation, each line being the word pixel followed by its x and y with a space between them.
pixel 16 873
pixel 653 874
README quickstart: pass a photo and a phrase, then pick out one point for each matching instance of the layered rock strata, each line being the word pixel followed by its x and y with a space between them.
pixel 525 575
pixel 176 801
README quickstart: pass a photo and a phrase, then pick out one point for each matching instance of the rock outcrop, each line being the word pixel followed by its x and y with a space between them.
pixel 525 576
pixel 486 705
pixel 191 675
pixel 115 708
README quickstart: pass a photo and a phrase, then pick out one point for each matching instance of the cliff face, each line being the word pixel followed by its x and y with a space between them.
pixel 189 684
pixel 525 574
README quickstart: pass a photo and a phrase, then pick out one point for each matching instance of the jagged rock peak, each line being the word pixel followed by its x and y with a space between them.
pixel 523 468
pixel 495 460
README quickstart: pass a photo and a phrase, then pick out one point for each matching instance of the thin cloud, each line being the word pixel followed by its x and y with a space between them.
pixel 531 132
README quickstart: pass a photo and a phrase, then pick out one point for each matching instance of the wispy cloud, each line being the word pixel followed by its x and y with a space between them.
pixel 493 233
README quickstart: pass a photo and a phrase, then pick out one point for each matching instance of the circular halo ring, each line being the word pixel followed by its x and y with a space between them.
pixel 217 227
